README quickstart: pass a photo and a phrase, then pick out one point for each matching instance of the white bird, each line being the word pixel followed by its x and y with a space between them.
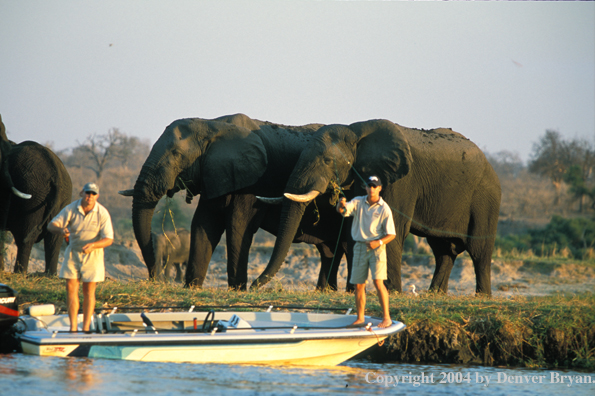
pixel 412 291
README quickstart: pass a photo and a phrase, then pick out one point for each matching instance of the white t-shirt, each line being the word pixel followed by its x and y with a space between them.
pixel 84 229
pixel 371 222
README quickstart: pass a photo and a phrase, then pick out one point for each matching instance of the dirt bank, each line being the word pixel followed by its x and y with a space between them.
pixel 489 342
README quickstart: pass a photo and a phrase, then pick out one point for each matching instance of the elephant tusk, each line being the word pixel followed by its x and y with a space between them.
pixel 21 194
pixel 270 200
pixel 302 197
pixel 126 193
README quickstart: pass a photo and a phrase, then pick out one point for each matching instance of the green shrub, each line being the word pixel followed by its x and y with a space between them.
pixel 577 234
pixel 560 238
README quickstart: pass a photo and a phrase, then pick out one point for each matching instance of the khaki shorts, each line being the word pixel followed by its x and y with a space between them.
pixel 364 259
pixel 79 266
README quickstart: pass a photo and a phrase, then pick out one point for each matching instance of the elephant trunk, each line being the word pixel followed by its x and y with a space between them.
pixel 291 215
pixel 145 199
pixel 142 214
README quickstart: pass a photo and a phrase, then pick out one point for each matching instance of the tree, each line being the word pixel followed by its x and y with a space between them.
pixel 101 152
pixel 551 158
pixel 578 176
pixel 578 189
pixel 506 163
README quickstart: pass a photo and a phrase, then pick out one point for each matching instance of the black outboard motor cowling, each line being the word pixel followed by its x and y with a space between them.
pixel 9 310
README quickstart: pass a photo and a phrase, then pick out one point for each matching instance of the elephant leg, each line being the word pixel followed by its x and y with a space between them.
pixel 179 273
pixel 394 252
pixel 167 268
pixel 329 266
pixel 207 229
pixel 160 262
pixel 445 253
pixel 23 253
pixel 2 250
pixel 348 249
pixel 52 244
pixel 480 251
pixel 246 215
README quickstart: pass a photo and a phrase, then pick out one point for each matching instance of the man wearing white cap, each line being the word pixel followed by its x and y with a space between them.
pixel 373 227
pixel 87 227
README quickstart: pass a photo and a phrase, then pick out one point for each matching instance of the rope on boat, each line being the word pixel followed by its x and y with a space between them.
pixel 378 340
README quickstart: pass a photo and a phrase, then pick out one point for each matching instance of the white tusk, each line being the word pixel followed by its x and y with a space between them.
pixel 270 200
pixel 126 193
pixel 21 194
pixel 302 197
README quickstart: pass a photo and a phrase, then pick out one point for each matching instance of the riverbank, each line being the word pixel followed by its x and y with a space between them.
pixel 523 331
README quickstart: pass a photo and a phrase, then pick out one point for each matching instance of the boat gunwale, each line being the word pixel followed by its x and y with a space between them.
pixel 201 338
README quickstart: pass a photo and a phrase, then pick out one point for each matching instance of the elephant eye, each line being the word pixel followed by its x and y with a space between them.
pixel 328 161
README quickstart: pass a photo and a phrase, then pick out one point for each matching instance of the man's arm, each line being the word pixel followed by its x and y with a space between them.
pixel 100 244
pixel 55 228
pixel 345 208
pixel 382 241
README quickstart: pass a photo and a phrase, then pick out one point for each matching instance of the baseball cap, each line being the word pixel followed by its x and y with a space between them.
pixel 374 181
pixel 91 187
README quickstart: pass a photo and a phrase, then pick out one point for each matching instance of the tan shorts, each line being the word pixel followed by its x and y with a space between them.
pixel 364 259
pixel 80 266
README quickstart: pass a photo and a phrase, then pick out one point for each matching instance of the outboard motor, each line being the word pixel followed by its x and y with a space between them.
pixel 9 311
pixel 9 315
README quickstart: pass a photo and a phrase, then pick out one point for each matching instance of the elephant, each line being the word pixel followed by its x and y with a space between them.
pixel 438 184
pixel 228 161
pixel 45 186
pixel 171 250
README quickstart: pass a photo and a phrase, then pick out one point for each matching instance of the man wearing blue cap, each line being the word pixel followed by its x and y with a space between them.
pixel 373 227
pixel 87 227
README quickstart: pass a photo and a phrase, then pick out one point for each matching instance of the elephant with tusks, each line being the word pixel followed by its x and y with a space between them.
pixel 438 184
pixel 35 186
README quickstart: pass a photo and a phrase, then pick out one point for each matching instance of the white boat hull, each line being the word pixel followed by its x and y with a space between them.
pixel 261 338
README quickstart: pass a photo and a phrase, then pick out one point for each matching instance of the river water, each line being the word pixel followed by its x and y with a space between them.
pixel 32 375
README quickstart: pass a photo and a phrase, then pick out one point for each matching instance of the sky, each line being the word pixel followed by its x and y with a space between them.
pixel 500 73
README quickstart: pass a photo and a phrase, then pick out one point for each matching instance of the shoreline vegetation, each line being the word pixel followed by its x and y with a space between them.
pixel 520 331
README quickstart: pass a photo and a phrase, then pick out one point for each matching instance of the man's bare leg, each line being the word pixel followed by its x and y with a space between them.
pixel 360 302
pixel 383 299
pixel 88 303
pixel 72 301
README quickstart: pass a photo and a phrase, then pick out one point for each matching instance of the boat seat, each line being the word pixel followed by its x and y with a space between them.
pixel 125 323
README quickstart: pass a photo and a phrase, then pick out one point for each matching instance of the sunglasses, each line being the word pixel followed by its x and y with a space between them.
pixel 90 193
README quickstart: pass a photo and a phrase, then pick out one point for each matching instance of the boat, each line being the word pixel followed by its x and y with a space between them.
pixel 264 337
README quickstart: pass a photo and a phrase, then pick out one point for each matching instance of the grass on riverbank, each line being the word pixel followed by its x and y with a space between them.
pixel 538 331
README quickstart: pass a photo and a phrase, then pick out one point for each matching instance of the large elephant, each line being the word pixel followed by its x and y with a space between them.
pixel 171 251
pixel 35 170
pixel 227 161
pixel 437 182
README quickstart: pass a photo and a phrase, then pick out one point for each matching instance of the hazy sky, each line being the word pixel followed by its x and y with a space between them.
pixel 500 73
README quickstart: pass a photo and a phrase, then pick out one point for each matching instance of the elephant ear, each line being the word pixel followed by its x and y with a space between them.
pixel 382 150
pixel 235 158
pixel 2 130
